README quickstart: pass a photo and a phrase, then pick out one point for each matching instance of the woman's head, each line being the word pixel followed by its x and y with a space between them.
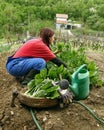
pixel 47 35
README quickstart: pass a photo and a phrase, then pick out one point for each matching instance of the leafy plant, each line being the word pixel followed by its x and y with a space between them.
pixel 43 89
pixel 74 58
pixel 94 75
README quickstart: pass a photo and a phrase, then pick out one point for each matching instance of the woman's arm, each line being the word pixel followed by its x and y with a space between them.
pixel 57 51
pixel 58 62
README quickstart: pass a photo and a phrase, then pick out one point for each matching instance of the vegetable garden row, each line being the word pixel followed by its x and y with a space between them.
pixel 40 86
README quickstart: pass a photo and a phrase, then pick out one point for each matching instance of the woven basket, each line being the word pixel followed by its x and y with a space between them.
pixel 37 102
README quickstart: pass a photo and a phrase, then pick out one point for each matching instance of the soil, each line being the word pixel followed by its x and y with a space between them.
pixel 73 117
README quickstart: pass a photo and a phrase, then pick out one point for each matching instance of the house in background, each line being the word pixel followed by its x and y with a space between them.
pixel 73 25
pixel 61 21
pixel 62 32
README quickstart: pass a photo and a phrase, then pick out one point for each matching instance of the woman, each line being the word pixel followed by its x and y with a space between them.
pixel 32 56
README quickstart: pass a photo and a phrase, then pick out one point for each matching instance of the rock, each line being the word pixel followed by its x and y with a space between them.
pixel 1 128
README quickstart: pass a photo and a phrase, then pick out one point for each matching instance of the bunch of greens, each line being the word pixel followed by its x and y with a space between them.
pixel 42 87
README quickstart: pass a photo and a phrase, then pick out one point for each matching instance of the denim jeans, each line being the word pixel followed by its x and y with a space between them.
pixel 21 66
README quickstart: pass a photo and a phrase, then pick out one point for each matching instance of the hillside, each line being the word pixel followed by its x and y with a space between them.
pixel 32 15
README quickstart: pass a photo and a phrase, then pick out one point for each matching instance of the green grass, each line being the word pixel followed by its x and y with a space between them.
pixel 4 48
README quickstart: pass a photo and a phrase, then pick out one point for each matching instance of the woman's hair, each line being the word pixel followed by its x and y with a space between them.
pixel 45 34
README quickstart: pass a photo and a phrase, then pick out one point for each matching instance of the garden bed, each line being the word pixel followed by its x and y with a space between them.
pixel 74 117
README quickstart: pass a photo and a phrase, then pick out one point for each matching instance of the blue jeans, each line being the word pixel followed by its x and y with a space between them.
pixel 21 66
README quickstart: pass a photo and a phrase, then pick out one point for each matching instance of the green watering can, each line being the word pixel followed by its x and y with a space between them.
pixel 80 83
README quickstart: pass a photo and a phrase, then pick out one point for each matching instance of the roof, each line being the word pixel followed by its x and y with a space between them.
pixel 61 16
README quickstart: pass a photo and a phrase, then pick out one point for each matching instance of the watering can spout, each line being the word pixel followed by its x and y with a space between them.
pixel 74 89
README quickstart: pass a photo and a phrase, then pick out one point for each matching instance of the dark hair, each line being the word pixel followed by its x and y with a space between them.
pixel 45 34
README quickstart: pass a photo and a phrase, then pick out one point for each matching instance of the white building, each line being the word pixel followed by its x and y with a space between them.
pixel 61 20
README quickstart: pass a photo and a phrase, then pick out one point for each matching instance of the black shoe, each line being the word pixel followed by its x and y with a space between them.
pixel 26 81
pixel 20 78
pixel 30 76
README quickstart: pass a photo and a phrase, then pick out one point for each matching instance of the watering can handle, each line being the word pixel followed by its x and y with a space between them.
pixel 78 70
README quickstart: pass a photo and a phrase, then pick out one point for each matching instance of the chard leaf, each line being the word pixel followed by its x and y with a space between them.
pixel 40 93
pixel 38 80
pixel 31 84
pixel 60 69
pixel 47 83
pixel 54 95
pixel 52 89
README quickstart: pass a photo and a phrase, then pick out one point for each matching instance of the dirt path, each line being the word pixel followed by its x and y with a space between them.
pixel 98 58
pixel 74 117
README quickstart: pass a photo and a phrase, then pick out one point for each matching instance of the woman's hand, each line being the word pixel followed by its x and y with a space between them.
pixel 57 51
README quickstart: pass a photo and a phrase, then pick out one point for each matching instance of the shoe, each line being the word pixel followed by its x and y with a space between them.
pixel 29 76
pixel 20 78
pixel 26 81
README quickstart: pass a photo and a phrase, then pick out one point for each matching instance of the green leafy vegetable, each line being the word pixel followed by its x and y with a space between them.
pixel 43 89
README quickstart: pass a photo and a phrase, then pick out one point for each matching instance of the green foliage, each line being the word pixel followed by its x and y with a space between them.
pixel 91 21
pixel 94 74
pixel 18 16
pixel 74 58
pixel 42 89
pixel 4 48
